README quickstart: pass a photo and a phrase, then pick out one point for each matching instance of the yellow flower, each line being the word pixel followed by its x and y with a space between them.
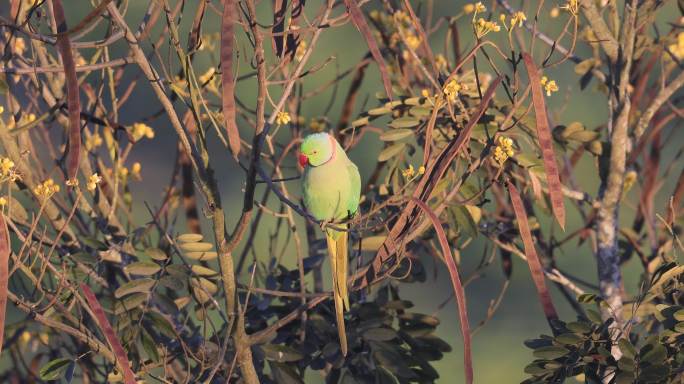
pixel 402 17
pixel 572 6
pixel 518 18
pixel 421 170
pixel 301 50
pixel 72 182
pixel 19 45
pixel 412 41
pixel 483 27
pixel 503 150
pixel 6 166
pixel 283 118
pixel 451 90
pixel 93 181
pixel 135 170
pixel 408 172
pixel 469 8
pixel 317 124
pixel 46 189
pixel 3 201
pixel 550 86
pixel 93 141
pixel 141 130
pixel 479 7
pixel 123 171
pixel 207 76
pixel 2 109
pixel 555 12
pixel 441 61
pixel 677 49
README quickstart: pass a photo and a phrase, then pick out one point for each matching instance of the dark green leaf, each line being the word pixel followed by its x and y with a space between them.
pixel 550 352
pixel 54 369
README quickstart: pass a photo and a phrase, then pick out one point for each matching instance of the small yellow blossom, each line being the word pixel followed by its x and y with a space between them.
pixel 207 76
pixel 572 6
pixel 677 49
pixel 518 18
pixel 93 141
pixel 554 13
pixel 135 170
pixel 425 92
pixel 301 50
pixel 25 337
pixel 550 86
pixel 317 124
pixel 46 189
pixel 19 45
pixel 123 171
pixel 2 109
pixel 503 150
pixel 412 41
pixel 80 61
pixel 479 7
pixel 283 118
pixel 93 181
pixel 441 61
pixel 72 182
pixel 141 130
pixel 451 90
pixel 31 117
pixel 421 170
pixel 3 201
pixel 469 8
pixel 402 18
pixel 6 166
pixel 408 172
pixel 483 27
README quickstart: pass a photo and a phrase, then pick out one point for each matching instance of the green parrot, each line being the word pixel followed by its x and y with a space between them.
pixel 331 189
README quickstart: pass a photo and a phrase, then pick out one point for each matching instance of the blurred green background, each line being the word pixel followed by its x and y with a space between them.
pixel 498 350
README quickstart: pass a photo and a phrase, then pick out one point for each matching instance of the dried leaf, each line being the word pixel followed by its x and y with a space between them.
pixel 545 142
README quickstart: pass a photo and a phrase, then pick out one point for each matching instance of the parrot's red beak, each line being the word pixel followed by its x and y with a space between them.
pixel 303 160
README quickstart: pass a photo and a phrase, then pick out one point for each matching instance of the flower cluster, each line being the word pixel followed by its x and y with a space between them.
pixel 476 8
pixel 7 171
pixel 503 150
pixel 3 201
pixel 483 27
pixel 141 130
pixel 93 141
pixel 93 181
pixel 46 189
pixel 550 86
pixel 518 19
pixel 412 41
pixel 451 90
pixel 283 118
pixel 572 6
pixel 677 49
pixel 410 171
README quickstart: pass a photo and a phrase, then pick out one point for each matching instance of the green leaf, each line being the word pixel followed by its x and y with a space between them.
pixel 655 354
pixel 569 338
pixel 284 373
pixel 281 353
pixel 679 315
pixel 550 352
pixel 391 151
pixel 190 237
pixel 156 254
pixel 134 286
pixel 142 268
pixel 54 369
pixel 396 134
pixel 594 316
pixel 129 303
pixel 172 282
pixel 579 327
pixel 404 122
pixel 197 247
pixel 85 258
pixel 379 334
pixel 465 220
pixel 627 348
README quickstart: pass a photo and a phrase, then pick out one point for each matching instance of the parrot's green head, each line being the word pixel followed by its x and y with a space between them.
pixel 316 149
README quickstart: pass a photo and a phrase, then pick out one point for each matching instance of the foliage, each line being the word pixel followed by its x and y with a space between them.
pixel 120 279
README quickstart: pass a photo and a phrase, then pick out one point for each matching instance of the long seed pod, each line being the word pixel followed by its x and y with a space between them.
pixel 531 253
pixel 227 82
pixel 546 142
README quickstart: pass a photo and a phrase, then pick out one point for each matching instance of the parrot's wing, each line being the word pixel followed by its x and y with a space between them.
pixel 355 187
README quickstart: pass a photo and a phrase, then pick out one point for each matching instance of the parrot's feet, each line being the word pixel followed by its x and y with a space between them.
pixel 324 224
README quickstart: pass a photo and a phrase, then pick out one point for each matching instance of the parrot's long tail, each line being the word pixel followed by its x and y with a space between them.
pixel 337 248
